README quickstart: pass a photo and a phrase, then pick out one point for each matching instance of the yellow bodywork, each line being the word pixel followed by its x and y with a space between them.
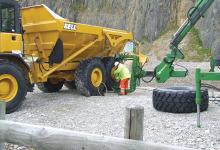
pixel 10 42
pixel 80 41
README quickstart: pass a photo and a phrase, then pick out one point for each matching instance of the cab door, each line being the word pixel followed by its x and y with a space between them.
pixel 10 35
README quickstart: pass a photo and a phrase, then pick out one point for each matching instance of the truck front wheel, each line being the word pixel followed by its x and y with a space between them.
pixel 90 77
pixel 13 86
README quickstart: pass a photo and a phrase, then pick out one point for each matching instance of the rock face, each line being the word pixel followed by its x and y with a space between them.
pixel 209 28
pixel 145 18
pixel 183 8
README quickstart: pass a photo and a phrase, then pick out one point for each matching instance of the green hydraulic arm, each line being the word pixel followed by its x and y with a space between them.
pixel 165 69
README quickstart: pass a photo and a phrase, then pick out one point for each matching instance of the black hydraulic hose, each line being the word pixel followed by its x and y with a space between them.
pixel 189 12
pixel 148 80
pixel 44 67
pixel 187 71
pixel 210 86
pixel 143 78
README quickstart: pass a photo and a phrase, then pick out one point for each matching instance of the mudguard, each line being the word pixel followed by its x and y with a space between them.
pixel 14 58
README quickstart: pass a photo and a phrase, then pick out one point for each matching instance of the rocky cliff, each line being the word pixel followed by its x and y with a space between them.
pixel 209 28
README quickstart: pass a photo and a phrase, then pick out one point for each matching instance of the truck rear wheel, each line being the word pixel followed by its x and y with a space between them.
pixel 178 99
pixel 51 86
pixel 13 86
pixel 89 77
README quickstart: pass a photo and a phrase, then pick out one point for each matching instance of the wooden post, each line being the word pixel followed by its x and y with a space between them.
pixel 2 117
pixel 134 122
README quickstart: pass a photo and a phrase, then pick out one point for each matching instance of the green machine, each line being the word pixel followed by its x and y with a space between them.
pixel 165 69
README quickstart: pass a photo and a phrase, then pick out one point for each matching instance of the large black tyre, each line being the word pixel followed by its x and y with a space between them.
pixel 10 71
pixel 179 99
pixel 84 84
pixel 109 64
pixel 50 86
pixel 70 85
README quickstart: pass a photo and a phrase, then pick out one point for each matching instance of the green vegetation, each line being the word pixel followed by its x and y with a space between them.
pixel 194 51
pixel 144 40
pixel 172 26
pixel 192 45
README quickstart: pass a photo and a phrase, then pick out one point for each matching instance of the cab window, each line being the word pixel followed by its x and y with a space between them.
pixel 7 18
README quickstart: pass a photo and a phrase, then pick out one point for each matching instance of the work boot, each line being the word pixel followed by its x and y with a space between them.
pixel 126 91
pixel 121 93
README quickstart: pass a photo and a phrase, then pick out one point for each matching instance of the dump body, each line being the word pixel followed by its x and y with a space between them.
pixel 44 26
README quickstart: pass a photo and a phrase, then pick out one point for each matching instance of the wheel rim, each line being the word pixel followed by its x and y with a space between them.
pixel 96 77
pixel 9 87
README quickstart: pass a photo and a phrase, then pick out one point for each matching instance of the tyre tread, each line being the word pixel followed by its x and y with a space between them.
pixel 176 101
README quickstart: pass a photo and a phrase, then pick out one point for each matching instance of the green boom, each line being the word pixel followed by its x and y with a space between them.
pixel 165 70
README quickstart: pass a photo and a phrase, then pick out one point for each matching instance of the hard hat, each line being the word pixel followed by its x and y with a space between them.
pixel 116 63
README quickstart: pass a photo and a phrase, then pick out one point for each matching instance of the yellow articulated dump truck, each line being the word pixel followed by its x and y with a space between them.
pixel 39 47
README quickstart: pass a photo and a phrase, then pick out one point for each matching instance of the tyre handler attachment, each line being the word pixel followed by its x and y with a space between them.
pixel 206 76
pixel 165 69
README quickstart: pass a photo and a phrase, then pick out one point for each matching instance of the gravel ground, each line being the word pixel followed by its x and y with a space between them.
pixel 105 115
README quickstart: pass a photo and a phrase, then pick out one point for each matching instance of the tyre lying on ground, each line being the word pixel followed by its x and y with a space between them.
pixel 178 99
pixel 13 86
pixel 90 77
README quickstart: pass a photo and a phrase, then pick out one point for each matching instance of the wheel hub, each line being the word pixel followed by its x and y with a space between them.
pixel 9 87
pixel 96 77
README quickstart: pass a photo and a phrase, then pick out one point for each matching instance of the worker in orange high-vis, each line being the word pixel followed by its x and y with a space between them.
pixel 122 74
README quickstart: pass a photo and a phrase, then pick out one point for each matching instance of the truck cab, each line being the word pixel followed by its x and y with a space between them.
pixel 14 82
pixel 10 26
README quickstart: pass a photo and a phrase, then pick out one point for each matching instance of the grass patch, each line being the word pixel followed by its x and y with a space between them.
pixel 172 25
pixel 143 40
pixel 195 51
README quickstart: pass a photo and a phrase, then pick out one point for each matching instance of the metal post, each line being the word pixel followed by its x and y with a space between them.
pixel 198 95
pixel 2 117
pixel 134 123
pixel 198 116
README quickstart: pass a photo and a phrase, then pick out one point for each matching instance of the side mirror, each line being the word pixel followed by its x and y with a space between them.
pixel 129 47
